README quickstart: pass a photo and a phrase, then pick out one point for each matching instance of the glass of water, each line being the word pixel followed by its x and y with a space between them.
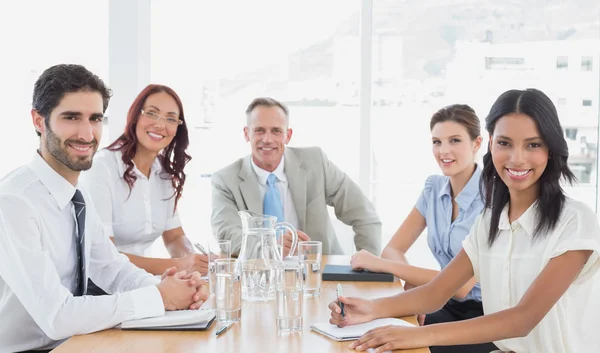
pixel 309 255
pixel 288 291
pixel 220 249
pixel 228 291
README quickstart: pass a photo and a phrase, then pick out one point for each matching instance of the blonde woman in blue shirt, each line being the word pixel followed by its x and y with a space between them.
pixel 447 207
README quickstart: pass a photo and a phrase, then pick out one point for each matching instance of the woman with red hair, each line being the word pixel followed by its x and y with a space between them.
pixel 137 181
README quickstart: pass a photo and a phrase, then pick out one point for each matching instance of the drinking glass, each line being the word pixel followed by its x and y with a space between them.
pixel 309 255
pixel 220 249
pixel 289 294
pixel 228 291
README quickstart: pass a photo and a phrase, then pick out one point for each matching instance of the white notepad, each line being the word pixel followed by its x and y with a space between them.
pixel 354 332
pixel 173 320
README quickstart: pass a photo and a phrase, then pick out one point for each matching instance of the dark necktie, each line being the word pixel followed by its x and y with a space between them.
pixel 80 277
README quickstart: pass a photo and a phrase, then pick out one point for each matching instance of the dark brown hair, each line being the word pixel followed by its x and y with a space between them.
pixel 58 80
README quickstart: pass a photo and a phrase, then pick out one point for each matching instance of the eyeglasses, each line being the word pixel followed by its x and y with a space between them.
pixel 169 120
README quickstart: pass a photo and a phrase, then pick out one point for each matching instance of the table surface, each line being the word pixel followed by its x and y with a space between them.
pixel 256 332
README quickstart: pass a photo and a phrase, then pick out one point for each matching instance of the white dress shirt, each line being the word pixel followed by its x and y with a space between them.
pixel 289 211
pixel 38 260
pixel 135 219
pixel 507 270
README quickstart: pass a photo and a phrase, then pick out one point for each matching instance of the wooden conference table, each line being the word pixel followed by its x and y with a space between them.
pixel 255 333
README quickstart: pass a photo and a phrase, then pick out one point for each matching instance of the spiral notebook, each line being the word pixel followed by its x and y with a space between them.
pixel 354 332
pixel 180 320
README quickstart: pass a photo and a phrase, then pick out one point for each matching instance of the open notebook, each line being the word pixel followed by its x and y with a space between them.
pixel 180 320
pixel 354 332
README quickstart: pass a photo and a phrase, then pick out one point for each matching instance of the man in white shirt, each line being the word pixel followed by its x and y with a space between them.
pixel 52 241
pixel 294 184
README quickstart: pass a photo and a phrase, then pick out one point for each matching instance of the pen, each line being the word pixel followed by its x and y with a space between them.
pixel 223 328
pixel 339 294
pixel 201 248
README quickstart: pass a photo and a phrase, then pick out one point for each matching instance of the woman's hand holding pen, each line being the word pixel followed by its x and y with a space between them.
pixel 194 262
pixel 356 311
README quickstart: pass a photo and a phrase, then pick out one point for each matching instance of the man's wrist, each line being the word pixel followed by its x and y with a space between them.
pixel 162 295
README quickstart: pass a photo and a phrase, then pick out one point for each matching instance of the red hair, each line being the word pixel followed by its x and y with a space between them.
pixel 172 159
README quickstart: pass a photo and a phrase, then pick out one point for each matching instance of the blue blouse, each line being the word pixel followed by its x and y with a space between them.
pixel 444 236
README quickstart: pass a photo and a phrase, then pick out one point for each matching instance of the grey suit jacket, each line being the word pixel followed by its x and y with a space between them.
pixel 314 182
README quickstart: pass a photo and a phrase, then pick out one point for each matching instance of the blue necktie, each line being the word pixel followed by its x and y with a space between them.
pixel 272 203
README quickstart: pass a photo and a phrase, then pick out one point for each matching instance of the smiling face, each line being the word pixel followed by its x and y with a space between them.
pixel 519 154
pixel 453 148
pixel 70 138
pixel 268 133
pixel 155 135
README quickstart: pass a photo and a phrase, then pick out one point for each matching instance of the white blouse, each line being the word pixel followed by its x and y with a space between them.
pixel 136 220
pixel 507 269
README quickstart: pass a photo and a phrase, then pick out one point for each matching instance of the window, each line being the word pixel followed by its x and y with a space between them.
pixel 586 63
pixel 469 59
pixel 53 33
pixel 586 102
pixel 571 134
pixel 492 63
pixel 227 58
pixel 562 63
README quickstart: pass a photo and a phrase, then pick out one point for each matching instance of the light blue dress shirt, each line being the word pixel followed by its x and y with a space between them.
pixel 444 236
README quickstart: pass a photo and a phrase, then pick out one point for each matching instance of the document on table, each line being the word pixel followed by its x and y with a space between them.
pixel 174 320
pixel 354 332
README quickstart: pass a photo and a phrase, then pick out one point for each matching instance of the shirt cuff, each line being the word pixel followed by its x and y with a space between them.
pixel 173 223
pixel 147 302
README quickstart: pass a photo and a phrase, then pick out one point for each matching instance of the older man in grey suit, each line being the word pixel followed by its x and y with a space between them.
pixel 294 184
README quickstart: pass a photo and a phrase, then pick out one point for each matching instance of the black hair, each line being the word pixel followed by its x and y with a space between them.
pixel 58 80
pixel 551 199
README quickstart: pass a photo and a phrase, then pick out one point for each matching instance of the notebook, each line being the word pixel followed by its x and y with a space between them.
pixel 180 320
pixel 345 273
pixel 354 332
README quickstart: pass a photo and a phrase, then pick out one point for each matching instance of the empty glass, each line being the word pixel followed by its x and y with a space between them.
pixel 228 291
pixel 309 255
pixel 222 249
pixel 289 294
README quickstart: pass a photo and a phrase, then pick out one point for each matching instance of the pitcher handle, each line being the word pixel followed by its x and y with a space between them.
pixel 284 225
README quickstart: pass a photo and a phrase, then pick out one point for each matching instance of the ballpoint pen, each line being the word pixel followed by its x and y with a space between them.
pixel 339 294
pixel 223 328
pixel 201 248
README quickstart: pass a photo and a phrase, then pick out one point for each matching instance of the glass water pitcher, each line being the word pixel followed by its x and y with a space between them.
pixel 261 253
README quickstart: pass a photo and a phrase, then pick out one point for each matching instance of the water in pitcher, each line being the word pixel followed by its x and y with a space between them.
pixel 257 280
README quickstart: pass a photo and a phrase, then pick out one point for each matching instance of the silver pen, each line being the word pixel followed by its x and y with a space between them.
pixel 223 328
pixel 201 248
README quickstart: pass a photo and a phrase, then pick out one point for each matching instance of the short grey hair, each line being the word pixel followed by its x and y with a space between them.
pixel 267 102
